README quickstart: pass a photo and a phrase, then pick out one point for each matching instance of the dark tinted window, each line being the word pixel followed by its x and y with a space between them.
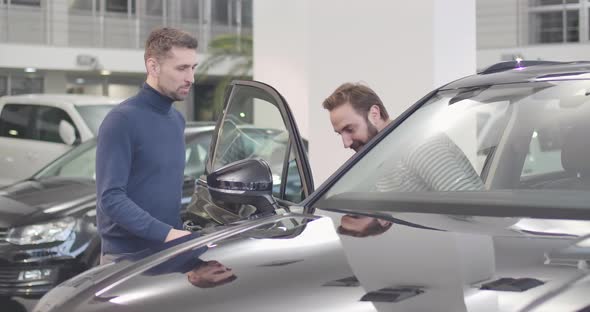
pixel 14 121
pixel 48 119
pixel 33 122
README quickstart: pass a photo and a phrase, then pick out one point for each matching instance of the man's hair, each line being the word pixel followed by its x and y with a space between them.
pixel 359 96
pixel 161 40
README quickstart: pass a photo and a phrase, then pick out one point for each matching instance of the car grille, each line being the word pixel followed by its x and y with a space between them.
pixel 9 275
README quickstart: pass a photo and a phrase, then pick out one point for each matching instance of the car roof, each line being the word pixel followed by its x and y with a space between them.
pixel 523 71
pixel 59 100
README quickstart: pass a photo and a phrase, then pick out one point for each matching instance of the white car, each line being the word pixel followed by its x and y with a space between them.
pixel 37 128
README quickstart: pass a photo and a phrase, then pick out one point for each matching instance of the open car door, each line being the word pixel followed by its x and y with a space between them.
pixel 256 123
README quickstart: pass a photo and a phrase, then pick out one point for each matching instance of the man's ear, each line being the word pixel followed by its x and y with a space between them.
pixel 374 114
pixel 153 67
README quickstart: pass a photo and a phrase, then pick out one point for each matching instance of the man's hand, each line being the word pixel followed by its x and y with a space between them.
pixel 174 234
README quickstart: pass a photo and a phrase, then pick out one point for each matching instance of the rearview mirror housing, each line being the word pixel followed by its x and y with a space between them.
pixel 246 181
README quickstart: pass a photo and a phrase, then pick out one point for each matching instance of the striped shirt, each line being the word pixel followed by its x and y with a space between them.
pixel 436 165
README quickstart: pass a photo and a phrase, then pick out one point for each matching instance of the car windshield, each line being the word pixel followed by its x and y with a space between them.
pixel 80 161
pixel 93 115
pixel 526 136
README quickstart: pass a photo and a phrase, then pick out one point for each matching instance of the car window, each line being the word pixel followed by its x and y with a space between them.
pixel 544 155
pixel 33 122
pixel 78 162
pixel 197 147
pixel 293 186
pixel 484 138
pixel 93 115
pixel 15 121
pixel 253 127
pixel 47 123
pixel 82 166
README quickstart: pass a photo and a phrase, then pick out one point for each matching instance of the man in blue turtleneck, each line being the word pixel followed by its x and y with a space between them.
pixel 140 154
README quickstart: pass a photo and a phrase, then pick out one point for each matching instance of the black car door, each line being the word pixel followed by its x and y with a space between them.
pixel 256 123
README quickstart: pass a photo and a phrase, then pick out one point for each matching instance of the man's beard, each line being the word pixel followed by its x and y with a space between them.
pixel 371 133
pixel 174 95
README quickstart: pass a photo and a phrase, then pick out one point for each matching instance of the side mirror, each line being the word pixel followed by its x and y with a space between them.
pixel 246 181
pixel 67 132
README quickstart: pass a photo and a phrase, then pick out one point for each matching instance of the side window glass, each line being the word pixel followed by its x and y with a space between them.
pixel 48 119
pixel 196 155
pixel 544 154
pixel 293 186
pixel 253 127
pixel 15 121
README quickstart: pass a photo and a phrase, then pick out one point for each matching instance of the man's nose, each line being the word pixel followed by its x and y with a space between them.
pixel 191 77
pixel 347 141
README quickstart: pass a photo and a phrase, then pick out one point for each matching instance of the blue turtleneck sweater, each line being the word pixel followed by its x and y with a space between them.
pixel 140 160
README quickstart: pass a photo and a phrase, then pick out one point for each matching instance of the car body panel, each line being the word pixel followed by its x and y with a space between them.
pixel 416 251
pixel 271 267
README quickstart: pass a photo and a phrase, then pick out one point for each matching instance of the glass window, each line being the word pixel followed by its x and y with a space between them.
pixel 119 6
pixel 26 2
pixel 93 115
pixel 3 85
pixel 552 2
pixel 81 166
pixel 189 10
pixel 293 186
pixel 220 12
pixel 47 123
pixel 84 4
pixel 547 27
pixel 25 85
pixel 438 148
pixel 253 127
pixel 153 7
pixel 15 121
pixel 573 25
pixel 197 147
pixel 247 13
pixel 78 162
pixel 554 21
pixel 544 155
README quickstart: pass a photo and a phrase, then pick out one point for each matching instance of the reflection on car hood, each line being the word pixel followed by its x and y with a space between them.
pixel 303 271
pixel 35 200
pixel 311 268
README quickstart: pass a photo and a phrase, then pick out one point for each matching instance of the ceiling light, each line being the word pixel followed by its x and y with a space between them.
pixel 30 70
pixel 105 72
pixel 80 80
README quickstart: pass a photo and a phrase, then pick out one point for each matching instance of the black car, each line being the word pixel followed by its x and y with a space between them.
pixel 48 222
pixel 477 198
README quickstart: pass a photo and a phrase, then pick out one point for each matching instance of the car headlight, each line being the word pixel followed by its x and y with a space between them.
pixel 49 232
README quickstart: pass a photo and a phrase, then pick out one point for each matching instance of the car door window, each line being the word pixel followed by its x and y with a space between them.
pixel 15 121
pixel 293 185
pixel 196 154
pixel 47 123
pixel 253 127
pixel 33 122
